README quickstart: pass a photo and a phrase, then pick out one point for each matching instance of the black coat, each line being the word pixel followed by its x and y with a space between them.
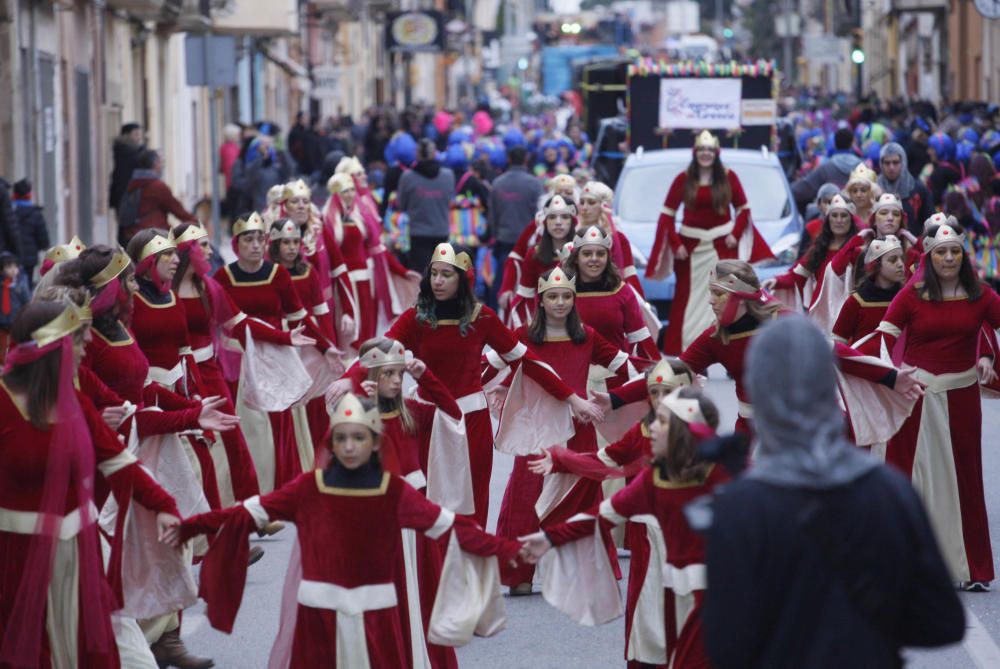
pixel 8 232
pixel 32 233
pixel 780 561
pixel 125 154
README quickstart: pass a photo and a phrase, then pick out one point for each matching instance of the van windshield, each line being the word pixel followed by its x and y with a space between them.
pixel 644 187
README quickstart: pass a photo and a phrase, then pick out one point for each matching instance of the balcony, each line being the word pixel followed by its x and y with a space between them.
pixel 149 10
pixel 257 17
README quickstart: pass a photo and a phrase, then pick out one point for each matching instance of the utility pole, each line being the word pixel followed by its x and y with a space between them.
pixel 786 42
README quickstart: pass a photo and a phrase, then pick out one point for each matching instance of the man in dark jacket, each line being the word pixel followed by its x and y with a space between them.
pixel 834 169
pixel 32 232
pixel 819 556
pixel 156 201
pixel 125 152
pixel 425 194
pixel 513 203
pixel 8 233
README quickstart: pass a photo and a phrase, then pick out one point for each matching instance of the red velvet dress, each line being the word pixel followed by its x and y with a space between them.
pixel 455 359
pixel 268 295
pixel 806 283
pixel 616 316
pixel 23 466
pixel 351 238
pixel 862 312
pixel 940 444
pixel 345 565
pixel 649 494
pixel 523 306
pixel 703 233
pixel 518 515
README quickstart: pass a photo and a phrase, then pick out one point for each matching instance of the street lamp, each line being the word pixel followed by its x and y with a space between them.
pixel 857 56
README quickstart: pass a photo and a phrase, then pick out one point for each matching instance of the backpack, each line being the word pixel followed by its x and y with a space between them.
pixel 128 209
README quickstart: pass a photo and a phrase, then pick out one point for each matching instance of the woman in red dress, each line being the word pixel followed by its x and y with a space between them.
pixel 595 209
pixel 349 517
pixel 676 477
pixel 559 222
pixel 940 443
pixel 712 195
pixel 264 291
pixel 53 593
pixel 557 337
pixel 866 306
pixel 448 329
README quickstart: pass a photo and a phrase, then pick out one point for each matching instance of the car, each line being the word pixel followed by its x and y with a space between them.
pixel 642 188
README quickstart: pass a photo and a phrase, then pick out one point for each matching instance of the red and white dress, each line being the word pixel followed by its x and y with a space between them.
pixel 940 444
pixel 346 607
pixel 862 313
pixel 703 233
pixel 522 308
pixel 616 315
pixel 670 631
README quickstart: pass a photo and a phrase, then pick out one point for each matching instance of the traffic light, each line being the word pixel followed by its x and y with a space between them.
pixel 857 55
pixel 858 47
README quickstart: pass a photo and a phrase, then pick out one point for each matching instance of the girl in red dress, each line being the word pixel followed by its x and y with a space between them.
pixel 558 221
pixel 53 593
pixel 557 337
pixel 862 190
pixel 940 443
pixel 404 419
pixel 264 291
pixel 677 476
pixel 595 209
pixel 448 329
pixel 712 195
pixel 345 613
pixel 884 276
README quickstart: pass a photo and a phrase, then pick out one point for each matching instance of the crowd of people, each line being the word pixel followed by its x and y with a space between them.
pixel 377 336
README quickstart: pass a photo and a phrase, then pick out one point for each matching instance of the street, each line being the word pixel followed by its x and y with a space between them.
pixel 537 636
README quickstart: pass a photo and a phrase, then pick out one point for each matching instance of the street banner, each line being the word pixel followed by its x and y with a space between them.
pixel 698 103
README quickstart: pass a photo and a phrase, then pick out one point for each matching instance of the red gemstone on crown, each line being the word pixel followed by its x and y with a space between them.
pixel 659 379
pixel 347 412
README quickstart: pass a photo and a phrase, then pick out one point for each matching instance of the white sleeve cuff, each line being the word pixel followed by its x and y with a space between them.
pixel 518 351
pixel 638 335
pixel 256 511
pixel 443 523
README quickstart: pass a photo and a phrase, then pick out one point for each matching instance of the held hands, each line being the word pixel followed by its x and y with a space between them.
pixel 214 420
pixel 533 547
pixel 731 241
pixel 601 400
pixel 299 339
pixel 984 368
pixel 115 416
pixel 543 465
pixel 168 529
pixel 586 410
pixel 907 383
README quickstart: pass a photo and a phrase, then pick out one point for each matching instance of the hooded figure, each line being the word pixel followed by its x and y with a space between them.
pixel 916 199
pixel 817 542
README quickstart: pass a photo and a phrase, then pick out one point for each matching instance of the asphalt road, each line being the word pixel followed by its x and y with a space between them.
pixel 538 637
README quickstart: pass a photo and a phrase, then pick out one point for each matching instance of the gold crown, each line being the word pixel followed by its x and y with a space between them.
pixel 375 357
pixel 887 201
pixel 838 202
pixel 687 409
pixel 861 174
pixel 157 244
pixel 64 252
pixel 599 190
pixel 445 252
pixel 66 323
pixel 944 235
pixel 349 411
pixel 253 223
pixel 663 375
pixel 592 236
pixel 881 247
pixel 193 233
pixel 705 138
pixel 297 188
pixel 557 279
pixel 558 205
pixel 118 263
pixel 338 183
pixel 286 230
pixel 730 284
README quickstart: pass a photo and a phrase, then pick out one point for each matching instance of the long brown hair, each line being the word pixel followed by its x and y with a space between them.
pixel 722 192
pixel 611 277
pixel 274 252
pixel 185 260
pixel 930 287
pixel 538 326
pixel 38 381
pixel 387 405
pixel 681 462
pixel 744 272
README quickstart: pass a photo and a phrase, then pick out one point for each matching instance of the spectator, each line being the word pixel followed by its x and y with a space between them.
pixel 895 178
pixel 819 556
pixel 835 170
pixel 14 294
pixel 125 153
pixel 298 142
pixel 266 166
pixel 425 194
pixel 32 232
pixel 8 234
pixel 512 205
pixel 376 138
pixel 229 152
pixel 153 198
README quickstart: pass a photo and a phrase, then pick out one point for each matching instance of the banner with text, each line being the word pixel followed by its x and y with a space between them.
pixel 698 103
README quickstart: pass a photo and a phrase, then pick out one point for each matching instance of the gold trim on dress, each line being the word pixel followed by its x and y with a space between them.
pixel 268 280
pixel 126 342
pixel 352 492
pixel 602 293
pixel 678 485
pixel 172 302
